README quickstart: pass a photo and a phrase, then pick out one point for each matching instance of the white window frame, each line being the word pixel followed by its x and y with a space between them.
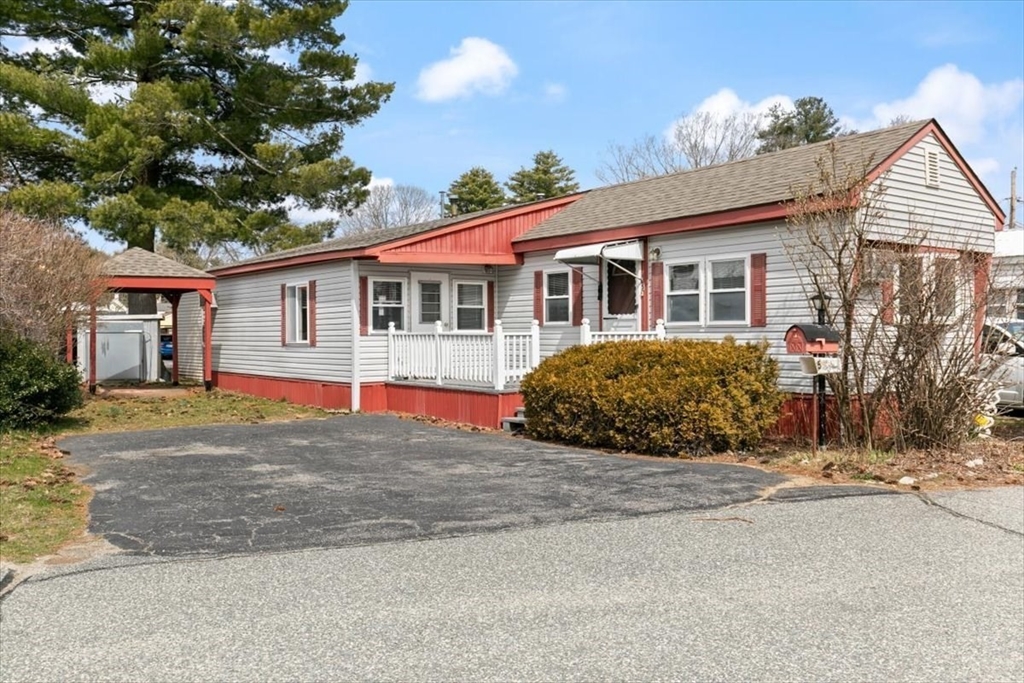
pixel 667 288
pixel 708 282
pixel 607 267
pixel 455 304
pixel 293 313
pixel 568 296
pixel 370 302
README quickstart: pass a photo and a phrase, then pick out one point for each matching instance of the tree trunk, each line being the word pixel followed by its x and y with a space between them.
pixel 139 304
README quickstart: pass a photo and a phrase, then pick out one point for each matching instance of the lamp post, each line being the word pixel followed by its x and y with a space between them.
pixel 820 302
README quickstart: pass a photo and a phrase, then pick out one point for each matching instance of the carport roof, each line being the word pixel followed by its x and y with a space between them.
pixel 138 270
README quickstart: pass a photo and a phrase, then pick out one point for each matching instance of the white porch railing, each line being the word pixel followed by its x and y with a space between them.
pixel 588 336
pixel 495 359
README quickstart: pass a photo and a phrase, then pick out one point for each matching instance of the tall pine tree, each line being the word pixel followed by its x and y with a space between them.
pixel 548 178
pixel 197 121
pixel 811 120
pixel 474 190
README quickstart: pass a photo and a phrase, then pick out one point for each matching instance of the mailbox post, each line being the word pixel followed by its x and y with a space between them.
pixel 819 344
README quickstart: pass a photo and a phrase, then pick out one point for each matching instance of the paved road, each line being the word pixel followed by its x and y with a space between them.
pixel 881 588
pixel 366 479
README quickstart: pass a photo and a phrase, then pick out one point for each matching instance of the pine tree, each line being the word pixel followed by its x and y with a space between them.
pixel 192 121
pixel 474 190
pixel 811 120
pixel 548 178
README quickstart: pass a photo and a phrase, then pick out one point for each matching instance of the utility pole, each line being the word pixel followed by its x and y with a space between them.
pixel 1013 199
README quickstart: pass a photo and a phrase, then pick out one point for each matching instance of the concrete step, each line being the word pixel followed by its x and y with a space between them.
pixel 513 425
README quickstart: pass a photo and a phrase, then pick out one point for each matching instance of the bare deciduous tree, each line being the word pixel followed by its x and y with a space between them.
pixel 696 140
pixel 391 206
pixel 48 276
pixel 907 308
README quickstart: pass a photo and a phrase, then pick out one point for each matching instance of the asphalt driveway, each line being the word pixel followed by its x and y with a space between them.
pixel 366 479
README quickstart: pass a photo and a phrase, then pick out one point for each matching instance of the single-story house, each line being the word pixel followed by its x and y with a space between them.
pixel 1007 300
pixel 443 318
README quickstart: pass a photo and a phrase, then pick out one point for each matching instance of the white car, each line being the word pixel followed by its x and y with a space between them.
pixel 1004 343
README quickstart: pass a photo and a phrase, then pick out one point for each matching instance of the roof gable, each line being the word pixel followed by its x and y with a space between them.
pixel 136 262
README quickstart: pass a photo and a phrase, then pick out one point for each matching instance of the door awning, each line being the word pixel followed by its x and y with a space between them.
pixel 591 254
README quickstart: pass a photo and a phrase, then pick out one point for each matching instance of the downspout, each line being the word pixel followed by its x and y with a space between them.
pixel 354 385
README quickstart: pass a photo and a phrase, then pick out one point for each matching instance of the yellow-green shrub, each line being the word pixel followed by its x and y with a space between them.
pixel 657 397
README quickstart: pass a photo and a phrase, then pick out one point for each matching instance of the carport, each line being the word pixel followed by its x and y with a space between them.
pixel 139 271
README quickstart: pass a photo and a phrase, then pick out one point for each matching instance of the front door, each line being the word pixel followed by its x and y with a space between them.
pixel 429 301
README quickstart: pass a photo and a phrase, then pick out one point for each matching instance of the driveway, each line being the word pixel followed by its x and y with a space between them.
pixel 366 479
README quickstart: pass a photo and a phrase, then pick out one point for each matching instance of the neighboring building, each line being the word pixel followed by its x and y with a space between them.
pixel 702 250
pixel 1007 299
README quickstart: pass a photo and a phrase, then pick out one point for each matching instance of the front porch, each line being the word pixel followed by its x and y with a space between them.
pixel 482 361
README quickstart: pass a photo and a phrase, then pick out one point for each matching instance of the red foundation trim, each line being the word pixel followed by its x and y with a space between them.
pixel 457 405
pixel 329 395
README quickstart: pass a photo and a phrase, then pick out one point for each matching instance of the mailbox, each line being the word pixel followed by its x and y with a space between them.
pixel 812 339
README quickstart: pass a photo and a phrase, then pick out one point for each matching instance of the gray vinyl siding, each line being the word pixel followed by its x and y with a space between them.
pixel 953 215
pixel 373 347
pixel 786 302
pixel 514 301
pixel 247 325
pixel 190 338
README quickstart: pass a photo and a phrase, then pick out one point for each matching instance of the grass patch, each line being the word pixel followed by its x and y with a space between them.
pixel 42 503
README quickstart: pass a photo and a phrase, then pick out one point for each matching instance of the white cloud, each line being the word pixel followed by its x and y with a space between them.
pixel 554 92
pixel 986 166
pixel 22 46
pixel 381 182
pixel 303 216
pixel 111 92
pixel 964 106
pixel 476 66
pixel 726 102
pixel 364 73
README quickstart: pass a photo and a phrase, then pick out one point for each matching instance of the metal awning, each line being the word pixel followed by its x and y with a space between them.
pixel 591 254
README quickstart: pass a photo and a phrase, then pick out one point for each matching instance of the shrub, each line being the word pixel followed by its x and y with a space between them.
pixel 657 397
pixel 35 385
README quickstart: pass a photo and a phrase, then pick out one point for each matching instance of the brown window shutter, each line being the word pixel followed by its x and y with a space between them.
pixel 758 293
pixel 364 307
pixel 577 297
pixel 284 315
pixel 657 292
pixel 311 302
pixel 538 296
pixel 888 309
pixel 490 306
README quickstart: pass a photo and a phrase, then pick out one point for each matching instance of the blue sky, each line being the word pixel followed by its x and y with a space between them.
pixel 491 83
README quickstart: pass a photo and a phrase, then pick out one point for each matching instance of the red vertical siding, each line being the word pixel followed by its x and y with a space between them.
pixel 304 392
pixel 457 405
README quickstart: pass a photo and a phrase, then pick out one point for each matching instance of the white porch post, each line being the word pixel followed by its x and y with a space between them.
pixel 659 328
pixel 498 355
pixel 585 332
pixel 391 351
pixel 439 356
pixel 534 344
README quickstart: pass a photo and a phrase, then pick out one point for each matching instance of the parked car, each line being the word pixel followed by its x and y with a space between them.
pixel 166 347
pixel 1003 343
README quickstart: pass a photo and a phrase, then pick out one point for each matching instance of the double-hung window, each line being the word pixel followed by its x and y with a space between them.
pixel 387 303
pixel 930 287
pixel 683 293
pixel 470 306
pixel 297 313
pixel 727 290
pixel 556 297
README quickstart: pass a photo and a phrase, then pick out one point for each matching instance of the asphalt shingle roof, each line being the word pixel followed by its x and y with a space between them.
pixel 365 239
pixel 758 180
pixel 136 262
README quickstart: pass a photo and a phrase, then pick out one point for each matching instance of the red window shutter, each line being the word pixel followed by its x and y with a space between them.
pixel 490 306
pixel 311 302
pixel 538 296
pixel 657 292
pixel 888 302
pixel 364 307
pixel 577 297
pixel 284 315
pixel 758 293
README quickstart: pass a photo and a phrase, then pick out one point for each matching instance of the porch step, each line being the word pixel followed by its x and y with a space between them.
pixel 514 425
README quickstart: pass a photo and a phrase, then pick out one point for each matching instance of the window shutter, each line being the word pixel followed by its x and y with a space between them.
pixel 364 307
pixel 538 296
pixel 758 294
pixel 284 315
pixel 490 306
pixel 577 297
pixel 888 302
pixel 657 292
pixel 311 302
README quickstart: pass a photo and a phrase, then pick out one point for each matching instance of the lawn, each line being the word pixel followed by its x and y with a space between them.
pixel 42 503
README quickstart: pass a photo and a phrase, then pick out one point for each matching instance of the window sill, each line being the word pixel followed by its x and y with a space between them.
pixel 298 345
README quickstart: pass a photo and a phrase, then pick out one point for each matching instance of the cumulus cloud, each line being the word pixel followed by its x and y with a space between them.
pixel 554 92
pixel 966 107
pixel 726 102
pixel 20 46
pixel 364 73
pixel 476 66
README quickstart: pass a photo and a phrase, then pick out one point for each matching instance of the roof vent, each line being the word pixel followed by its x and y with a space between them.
pixel 931 168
